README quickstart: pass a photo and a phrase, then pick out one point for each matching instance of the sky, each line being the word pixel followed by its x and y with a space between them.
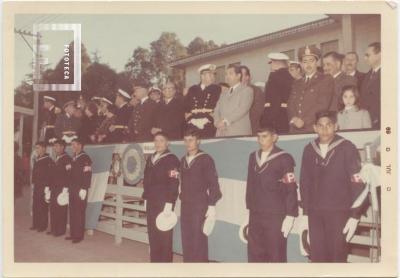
pixel 116 36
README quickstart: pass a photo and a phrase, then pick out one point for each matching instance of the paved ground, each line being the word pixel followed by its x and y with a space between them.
pixel 32 246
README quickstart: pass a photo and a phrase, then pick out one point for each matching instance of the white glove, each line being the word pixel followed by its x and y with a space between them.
pixel 82 194
pixel 145 204
pixel 65 190
pixel 211 212
pixel 303 226
pixel 287 225
pixel 47 194
pixel 167 208
pixel 350 228
pixel 46 189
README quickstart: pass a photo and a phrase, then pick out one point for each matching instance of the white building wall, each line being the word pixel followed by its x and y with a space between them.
pixel 365 31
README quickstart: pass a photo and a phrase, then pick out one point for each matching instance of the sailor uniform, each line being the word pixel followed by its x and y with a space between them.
pixel 199 189
pixel 122 116
pixel 160 184
pixel 201 102
pixel 41 178
pixel 331 192
pixel 61 179
pixel 81 175
pixel 270 196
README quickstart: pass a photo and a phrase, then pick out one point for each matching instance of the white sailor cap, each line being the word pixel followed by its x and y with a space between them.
pixel 208 67
pixel 124 94
pixel 155 89
pixel 106 100
pixel 278 56
pixel 95 98
pixel 165 222
pixel 48 98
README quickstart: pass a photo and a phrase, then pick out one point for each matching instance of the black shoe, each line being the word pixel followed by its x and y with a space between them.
pixel 76 240
pixel 69 238
pixel 41 230
pixel 32 228
pixel 49 233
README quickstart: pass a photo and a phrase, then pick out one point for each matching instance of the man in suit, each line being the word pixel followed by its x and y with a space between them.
pixel 310 94
pixel 200 102
pixel 231 114
pixel 142 119
pixel 169 116
pixel 118 130
pixel 67 124
pixel 257 108
pixel 277 91
pixel 332 65
pixel 350 62
pixel 371 86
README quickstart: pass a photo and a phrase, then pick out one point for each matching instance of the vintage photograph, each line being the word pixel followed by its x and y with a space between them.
pixel 180 137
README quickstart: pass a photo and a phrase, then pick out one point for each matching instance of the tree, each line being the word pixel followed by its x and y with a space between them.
pixel 164 50
pixel 98 80
pixel 140 67
pixel 198 45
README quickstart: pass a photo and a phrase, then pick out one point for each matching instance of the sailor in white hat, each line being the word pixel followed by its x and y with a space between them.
pixel 59 189
pixel 200 102
pixel 160 190
pixel 277 90
pixel 118 131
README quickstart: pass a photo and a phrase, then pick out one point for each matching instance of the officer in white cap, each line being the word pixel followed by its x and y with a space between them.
pixel 200 102
pixel 50 118
pixel 277 90
pixel 118 131
pixel 160 185
pixel 67 124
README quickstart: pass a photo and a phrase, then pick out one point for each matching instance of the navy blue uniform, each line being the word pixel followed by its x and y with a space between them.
pixel 370 96
pixel 331 192
pixel 270 196
pixel 201 104
pixel 61 179
pixel 277 91
pixel 122 116
pixel 41 178
pixel 170 118
pixel 160 184
pixel 141 121
pixel 81 176
pixel 199 189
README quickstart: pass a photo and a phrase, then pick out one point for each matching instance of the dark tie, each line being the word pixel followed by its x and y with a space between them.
pixel 230 91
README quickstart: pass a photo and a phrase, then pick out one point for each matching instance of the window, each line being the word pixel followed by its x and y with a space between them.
pixel 220 74
pixel 290 54
pixel 329 46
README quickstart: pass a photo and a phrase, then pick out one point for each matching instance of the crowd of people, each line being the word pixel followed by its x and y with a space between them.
pixel 293 93
pixel 332 194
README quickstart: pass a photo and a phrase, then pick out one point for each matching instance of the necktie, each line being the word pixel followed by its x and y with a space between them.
pixel 230 91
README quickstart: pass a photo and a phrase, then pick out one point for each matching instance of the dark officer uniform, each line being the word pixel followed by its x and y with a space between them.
pixel 331 192
pixel 142 120
pixel 61 179
pixel 270 196
pixel 66 125
pixel 199 189
pixel 169 117
pixel 160 184
pixel 41 177
pixel 89 127
pixel 370 96
pixel 307 98
pixel 49 124
pixel 81 175
pixel 277 91
pixel 122 116
pixel 201 104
